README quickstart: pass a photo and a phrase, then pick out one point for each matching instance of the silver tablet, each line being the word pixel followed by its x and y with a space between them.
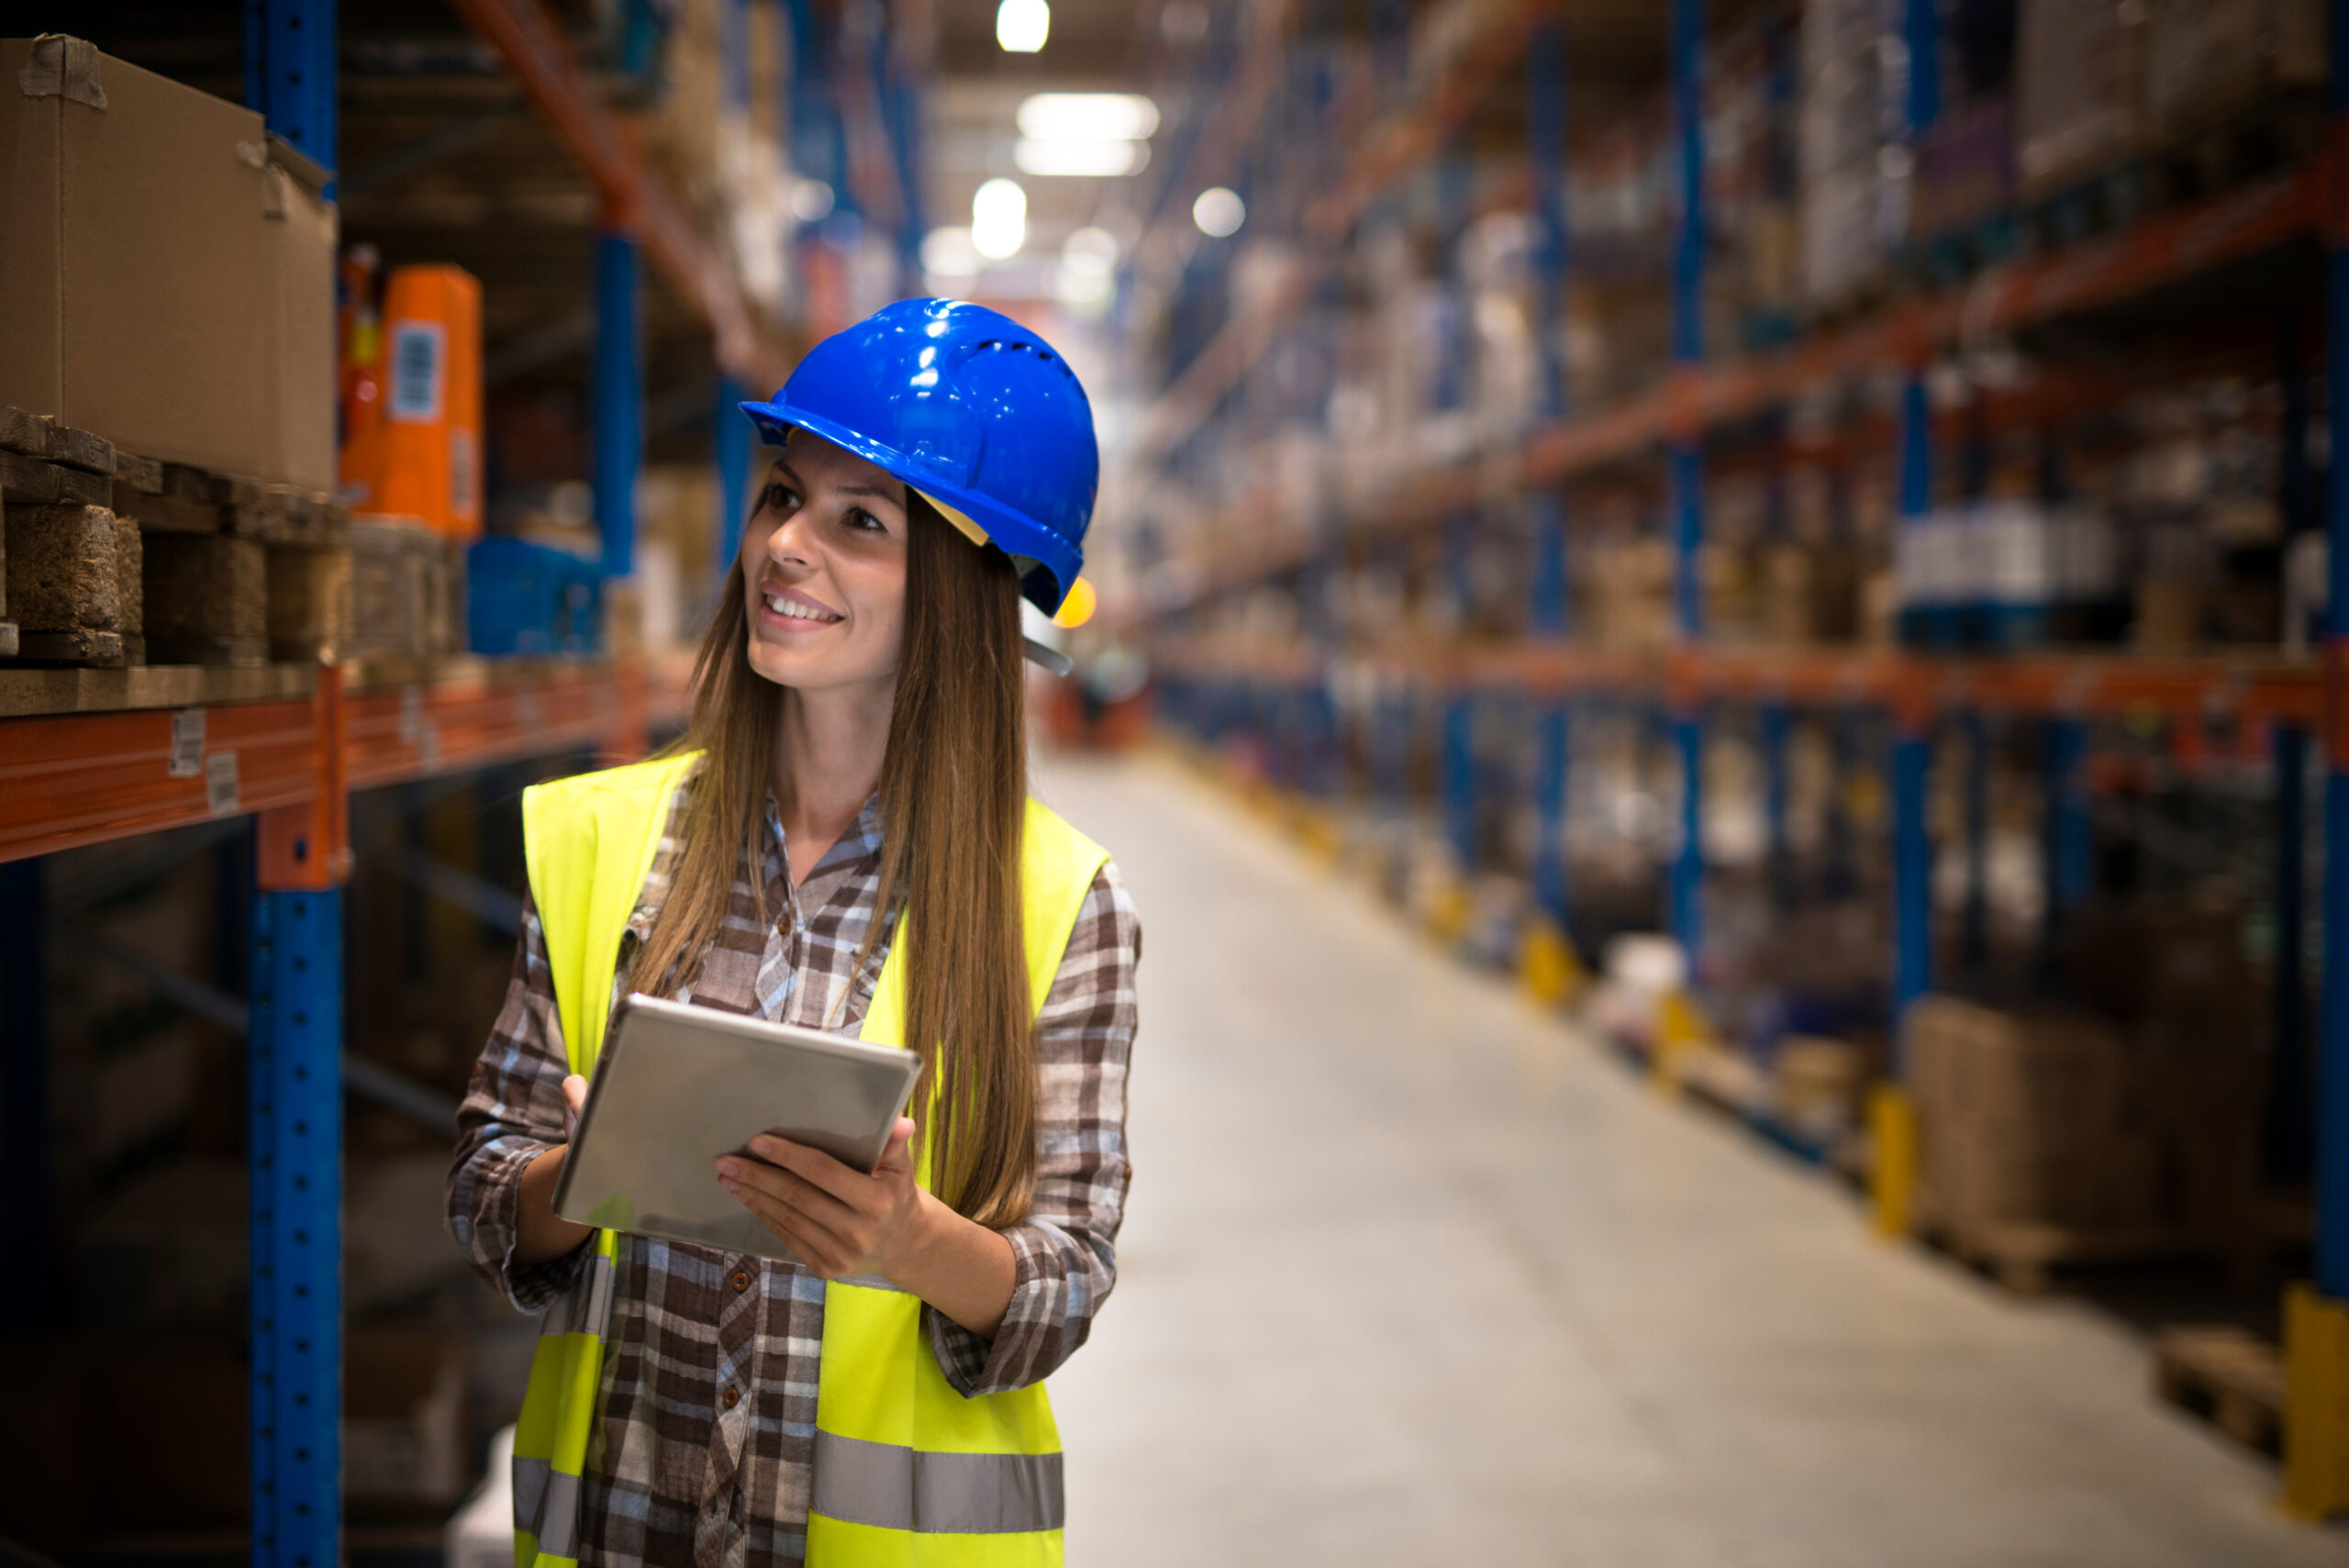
pixel 676 1087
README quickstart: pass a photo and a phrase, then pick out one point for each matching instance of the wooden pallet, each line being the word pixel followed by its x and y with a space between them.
pixel 2023 1257
pixel 209 541
pixel 2228 1375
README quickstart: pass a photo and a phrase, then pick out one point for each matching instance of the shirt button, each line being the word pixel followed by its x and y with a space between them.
pixel 741 1280
pixel 733 1398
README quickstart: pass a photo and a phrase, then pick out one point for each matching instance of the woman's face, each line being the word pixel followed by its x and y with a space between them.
pixel 824 567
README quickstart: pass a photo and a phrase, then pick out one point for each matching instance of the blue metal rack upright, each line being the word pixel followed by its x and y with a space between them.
pixel 619 390
pixel 1545 67
pixel 2316 1321
pixel 1684 462
pixel 294 1077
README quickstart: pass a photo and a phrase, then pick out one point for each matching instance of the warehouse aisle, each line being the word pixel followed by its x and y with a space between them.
pixel 1413 1276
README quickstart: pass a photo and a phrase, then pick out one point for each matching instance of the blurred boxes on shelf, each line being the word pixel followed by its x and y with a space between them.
pixel 1966 170
pixel 523 598
pixel 1817 1085
pixel 2209 60
pixel 408 589
pixel 2079 90
pixel 2034 1118
pixel 221 357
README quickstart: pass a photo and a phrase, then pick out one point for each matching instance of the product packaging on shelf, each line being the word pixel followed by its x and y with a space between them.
pixel 219 354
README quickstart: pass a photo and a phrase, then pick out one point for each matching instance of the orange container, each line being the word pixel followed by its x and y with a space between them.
pixel 431 460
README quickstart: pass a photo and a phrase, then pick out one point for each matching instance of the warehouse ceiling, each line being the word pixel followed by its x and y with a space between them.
pixel 442 157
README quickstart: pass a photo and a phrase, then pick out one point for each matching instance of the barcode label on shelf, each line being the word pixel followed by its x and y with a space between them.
pixel 188 743
pixel 220 783
pixel 415 373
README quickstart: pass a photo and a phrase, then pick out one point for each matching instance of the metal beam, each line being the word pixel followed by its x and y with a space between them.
pixel 534 47
pixel 619 398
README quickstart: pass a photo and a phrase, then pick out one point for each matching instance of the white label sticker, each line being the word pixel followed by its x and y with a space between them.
pixel 188 742
pixel 417 357
pixel 411 715
pixel 220 783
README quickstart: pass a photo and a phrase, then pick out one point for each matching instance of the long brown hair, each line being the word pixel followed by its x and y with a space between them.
pixel 953 801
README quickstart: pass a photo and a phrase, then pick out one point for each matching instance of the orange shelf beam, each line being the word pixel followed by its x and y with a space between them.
pixel 76 779
pixel 2070 683
pixel 2163 248
pixel 69 780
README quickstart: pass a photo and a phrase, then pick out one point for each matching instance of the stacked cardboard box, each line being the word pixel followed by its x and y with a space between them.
pixel 2022 1119
pixel 2060 1120
pixel 223 359
pixel 2210 61
pixel 2080 89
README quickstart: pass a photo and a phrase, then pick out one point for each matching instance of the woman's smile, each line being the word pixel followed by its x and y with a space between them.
pixel 788 610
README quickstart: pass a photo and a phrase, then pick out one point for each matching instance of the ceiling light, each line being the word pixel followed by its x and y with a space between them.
pixel 1088 117
pixel 999 219
pixel 948 253
pixel 1020 24
pixel 1035 156
pixel 1084 292
pixel 1090 252
pixel 1218 212
pixel 811 200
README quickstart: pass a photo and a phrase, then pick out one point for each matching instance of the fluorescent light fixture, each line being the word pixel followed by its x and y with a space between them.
pixel 1036 156
pixel 1020 26
pixel 1090 252
pixel 999 219
pixel 948 253
pixel 1218 212
pixel 811 200
pixel 1087 292
pixel 1088 116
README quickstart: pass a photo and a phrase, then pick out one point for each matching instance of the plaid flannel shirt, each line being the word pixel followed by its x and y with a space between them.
pixel 675 1472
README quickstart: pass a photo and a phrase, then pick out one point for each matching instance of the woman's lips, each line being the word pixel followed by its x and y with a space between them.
pixel 788 611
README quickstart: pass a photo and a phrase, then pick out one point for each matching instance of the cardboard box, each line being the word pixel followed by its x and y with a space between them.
pixel 197 327
pixel 2207 60
pixel 2079 90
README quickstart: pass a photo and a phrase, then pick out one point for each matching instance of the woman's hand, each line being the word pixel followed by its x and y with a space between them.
pixel 836 1220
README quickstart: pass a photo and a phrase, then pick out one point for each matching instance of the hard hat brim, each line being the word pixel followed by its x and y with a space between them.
pixel 1048 566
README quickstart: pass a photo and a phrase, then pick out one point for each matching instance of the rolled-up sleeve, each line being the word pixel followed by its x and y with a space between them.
pixel 513 1112
pixel 1065 1251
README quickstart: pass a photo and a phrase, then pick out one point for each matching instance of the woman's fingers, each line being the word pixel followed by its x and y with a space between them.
pixel 815 1167
pixel 575 1104
pixel 808 1240
pixel 786 1187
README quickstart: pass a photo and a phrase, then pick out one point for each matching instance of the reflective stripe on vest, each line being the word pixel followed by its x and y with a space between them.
pixel 906 1470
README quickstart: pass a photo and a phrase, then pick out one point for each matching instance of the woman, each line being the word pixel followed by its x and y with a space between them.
pixel 852 791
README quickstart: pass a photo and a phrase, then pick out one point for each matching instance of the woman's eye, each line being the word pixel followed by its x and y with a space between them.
pixel 863 521
pixel 779 497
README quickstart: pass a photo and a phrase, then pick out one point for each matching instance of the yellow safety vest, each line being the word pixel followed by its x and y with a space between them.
pixel 908 1473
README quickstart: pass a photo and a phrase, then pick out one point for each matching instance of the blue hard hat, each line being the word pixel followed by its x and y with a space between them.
pixel 972 409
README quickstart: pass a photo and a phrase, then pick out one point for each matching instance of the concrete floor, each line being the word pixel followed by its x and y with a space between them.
pixel 1414 1275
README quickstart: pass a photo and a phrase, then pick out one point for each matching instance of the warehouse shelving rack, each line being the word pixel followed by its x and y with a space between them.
pixel 2294 701
pixel 288 746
